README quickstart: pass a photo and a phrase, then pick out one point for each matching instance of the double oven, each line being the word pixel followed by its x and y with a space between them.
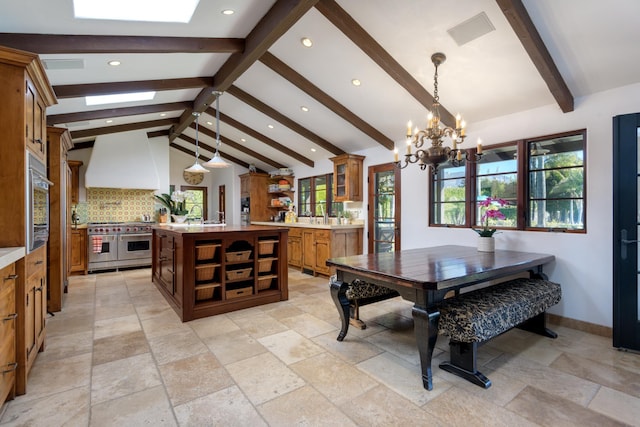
pixel 118 245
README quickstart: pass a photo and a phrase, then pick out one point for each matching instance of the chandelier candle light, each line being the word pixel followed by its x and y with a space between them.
pixel 435 154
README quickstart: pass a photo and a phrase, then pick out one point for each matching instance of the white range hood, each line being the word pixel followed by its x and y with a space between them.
pixel 122 160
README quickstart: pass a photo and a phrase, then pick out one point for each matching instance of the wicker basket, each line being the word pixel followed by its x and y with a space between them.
pixel 236 293
pixel 238 256
pixel 206 272
pixel 205 291
pixel 266 247
pixel 204 252
pixel 242 273
pixel 264 282
pixel 264 264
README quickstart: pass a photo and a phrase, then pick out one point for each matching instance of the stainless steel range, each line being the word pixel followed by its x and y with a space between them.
pixel 117 245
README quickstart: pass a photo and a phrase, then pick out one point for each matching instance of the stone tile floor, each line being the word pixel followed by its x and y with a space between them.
pixel 118 355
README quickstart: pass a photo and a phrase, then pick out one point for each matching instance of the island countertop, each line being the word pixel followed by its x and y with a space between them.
pixel 306 225
pixel 212 228
pixel 10 255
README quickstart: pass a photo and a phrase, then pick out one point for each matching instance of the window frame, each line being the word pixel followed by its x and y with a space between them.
pixel 522 174
pixel 333 208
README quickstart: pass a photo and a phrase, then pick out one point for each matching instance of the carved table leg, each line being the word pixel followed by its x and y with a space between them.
pixel 426 329
pixel 339 295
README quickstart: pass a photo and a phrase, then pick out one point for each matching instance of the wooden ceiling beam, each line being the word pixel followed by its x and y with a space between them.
pixel 331 10
pixel 69 44
pixel 276 115
pixel 312 90
pixel 206 131
pixel 262 138
pixel 88 89
pixel 106 130
pixel 523 26
pixel 158 133
pixel 55 119
pixel 277 21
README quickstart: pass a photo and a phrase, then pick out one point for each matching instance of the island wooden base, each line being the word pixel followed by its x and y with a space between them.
pixel 204 271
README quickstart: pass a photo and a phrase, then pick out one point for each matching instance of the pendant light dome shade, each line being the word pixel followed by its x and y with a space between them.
pixel 196 167
pixel 216 161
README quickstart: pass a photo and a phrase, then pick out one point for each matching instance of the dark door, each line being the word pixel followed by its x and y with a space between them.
pixel 626 215
pixel 384 208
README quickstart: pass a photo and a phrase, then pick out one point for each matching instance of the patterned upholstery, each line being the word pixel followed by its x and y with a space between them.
pixel 359 289
pixel 483 314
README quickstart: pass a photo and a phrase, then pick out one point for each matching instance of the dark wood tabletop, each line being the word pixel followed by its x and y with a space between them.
pixel 440 267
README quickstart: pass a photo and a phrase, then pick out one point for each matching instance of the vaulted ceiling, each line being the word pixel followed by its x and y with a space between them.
pixel 534 53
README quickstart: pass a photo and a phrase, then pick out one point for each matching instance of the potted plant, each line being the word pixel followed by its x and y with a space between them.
pixel 347 217
pixel 491 206
pixel 175 202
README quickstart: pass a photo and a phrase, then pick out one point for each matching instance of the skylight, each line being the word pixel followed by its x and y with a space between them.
pixel 136 10
pixel 119 97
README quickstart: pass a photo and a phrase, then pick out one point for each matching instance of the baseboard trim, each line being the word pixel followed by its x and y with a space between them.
pixel 592 328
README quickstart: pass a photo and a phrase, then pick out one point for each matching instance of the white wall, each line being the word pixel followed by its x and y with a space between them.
pixel 583 264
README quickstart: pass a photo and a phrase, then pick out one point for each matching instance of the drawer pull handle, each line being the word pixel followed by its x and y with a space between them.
pixel 39 262
pixel 11 277
pixel 12 367
pixel 10 317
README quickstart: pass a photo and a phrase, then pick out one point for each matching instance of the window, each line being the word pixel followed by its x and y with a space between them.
pixel 198 200
pixel 556 183
pixel 449 192
pixel 541 178
pixel 497 176
pixel 315 196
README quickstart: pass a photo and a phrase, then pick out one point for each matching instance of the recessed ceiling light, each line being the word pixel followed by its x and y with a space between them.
pixel 313 149
pixel 243 140
pixel 306 42
pixel 228 12
pixel 136 10
pixel 114 63
pixel 270 126
pixel 163 114
pixel 119 97
pixel 108 121
pixel 304 108
pixel 210 123
pixel 356 82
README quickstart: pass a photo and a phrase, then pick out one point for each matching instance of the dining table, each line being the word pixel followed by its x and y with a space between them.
pixel 425 276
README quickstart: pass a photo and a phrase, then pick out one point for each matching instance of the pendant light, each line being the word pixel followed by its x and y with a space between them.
pixel 196 167
pixel 217 161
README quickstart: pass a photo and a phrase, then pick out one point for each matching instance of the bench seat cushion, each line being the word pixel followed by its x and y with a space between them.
pixel 483 314
pixel 359 289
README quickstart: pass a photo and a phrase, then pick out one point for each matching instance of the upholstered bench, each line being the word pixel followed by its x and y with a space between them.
pixel 360 293
pixel 473 318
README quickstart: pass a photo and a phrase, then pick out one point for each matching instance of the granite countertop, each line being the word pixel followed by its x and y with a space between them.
pixel 306 225
pixel 10 255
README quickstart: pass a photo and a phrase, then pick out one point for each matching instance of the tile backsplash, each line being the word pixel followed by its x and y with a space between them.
pixel 118 205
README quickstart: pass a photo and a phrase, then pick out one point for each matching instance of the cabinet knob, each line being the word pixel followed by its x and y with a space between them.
pixel 10 317
pixel 11 277
pixel 39 262
pixel 12 367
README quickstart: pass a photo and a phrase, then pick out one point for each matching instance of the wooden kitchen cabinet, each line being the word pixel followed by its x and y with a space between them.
pixel 294 247
pixel 33 310
pixel 318 245
pixel 74 165
pixel 348 175
pixel 8 316
pixel 77 248
pixel 254 186
pixel 59 143
pixel 25 93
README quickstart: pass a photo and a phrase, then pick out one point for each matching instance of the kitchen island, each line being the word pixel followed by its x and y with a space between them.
pixel 204 270
pixel 311 245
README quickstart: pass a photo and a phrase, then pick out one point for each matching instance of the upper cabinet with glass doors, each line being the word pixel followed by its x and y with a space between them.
pixel 347 178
